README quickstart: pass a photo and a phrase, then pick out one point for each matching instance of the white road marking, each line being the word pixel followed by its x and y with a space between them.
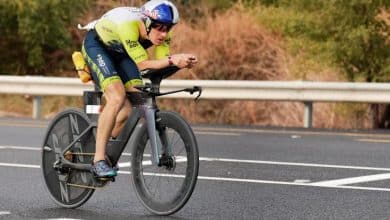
pixel 63 219
pixel 239 180
pixel 268 182
pixel 338 183
pixel 281 164
pixel 353 180
pixel 44 124
pixel 124 164
pixel 20 148
pixel 240 161
pixel 149 162
pixel 217 133
pixel 293 164
pixel 302 181
pixel 5 213
pixel 291 132
pixel 19 165
pixel 374 140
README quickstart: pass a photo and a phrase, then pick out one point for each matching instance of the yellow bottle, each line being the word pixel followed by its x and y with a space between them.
pixel 81 67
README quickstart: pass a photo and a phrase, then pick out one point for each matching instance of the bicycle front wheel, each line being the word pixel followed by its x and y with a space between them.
pixel 164 189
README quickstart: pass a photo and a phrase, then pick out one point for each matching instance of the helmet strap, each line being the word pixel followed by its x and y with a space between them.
pixel 148 23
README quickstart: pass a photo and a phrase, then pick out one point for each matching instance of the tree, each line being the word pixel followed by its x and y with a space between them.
pixel 362 44
pixel 33 31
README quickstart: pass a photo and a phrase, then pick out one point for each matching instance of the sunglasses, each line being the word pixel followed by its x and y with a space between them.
pixel 161 26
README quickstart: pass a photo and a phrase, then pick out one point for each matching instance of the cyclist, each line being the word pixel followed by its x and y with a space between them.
pixel 115 50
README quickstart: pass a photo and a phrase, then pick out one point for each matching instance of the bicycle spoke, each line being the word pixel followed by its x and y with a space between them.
pixel 165 188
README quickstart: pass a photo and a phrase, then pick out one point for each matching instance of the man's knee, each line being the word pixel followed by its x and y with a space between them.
pixel 115 96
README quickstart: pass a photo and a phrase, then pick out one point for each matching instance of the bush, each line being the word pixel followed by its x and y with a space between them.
pixel 237 47
pixel 233 46
pixel 35 32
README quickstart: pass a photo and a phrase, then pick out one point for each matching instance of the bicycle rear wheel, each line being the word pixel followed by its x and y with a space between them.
pixel 165 189
pixel 66 186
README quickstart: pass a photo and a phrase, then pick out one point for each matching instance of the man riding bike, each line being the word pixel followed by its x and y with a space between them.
pixel 115 51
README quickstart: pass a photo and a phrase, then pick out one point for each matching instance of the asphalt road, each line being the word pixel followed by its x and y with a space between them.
pixel 245 173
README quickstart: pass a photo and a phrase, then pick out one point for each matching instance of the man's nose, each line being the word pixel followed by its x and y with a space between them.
pixel 163 33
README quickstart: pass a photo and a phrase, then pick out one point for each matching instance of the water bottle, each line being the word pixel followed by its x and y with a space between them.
pixel 81 67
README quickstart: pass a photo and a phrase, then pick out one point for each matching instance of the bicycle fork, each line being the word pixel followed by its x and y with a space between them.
pixel 158 148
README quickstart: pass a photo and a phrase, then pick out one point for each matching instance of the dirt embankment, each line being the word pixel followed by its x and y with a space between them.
pixel 234 46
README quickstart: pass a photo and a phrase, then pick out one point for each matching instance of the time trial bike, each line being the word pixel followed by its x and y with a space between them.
pixel 164 156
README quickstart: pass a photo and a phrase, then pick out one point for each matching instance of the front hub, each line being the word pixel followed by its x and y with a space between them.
pixel 168 161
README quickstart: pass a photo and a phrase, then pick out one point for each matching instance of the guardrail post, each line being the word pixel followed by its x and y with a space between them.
pixel 308 115
pixel 37 101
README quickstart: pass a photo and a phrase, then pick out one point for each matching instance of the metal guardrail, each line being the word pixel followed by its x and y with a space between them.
pixel 297 91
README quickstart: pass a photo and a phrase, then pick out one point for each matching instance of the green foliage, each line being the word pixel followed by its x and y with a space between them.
pixel 362 43
pixel 300 23
pixel 348 32
pixel 33 29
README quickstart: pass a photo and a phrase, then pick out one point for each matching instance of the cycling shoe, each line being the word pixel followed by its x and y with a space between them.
pixel 101 170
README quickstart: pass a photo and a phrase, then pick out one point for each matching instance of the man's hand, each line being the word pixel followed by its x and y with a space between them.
pixel 184 60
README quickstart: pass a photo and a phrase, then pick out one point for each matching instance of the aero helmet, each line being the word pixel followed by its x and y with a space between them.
pixel 159 11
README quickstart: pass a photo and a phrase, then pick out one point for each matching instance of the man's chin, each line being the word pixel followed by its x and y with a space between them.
pixel 157 42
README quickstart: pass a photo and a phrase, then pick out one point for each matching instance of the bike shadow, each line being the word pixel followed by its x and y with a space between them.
pixel 83 214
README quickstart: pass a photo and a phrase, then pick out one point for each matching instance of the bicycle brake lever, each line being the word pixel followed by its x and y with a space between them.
pixel 199 90
pixel 193 90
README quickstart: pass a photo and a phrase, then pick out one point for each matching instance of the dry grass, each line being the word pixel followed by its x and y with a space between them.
pixel 21 106
pixel 231 49
pixel 238 50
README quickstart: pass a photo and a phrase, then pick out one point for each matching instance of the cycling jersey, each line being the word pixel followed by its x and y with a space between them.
pixel 113 47
pixel 118 30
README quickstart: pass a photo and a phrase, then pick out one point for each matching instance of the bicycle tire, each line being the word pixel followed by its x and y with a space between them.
pixel 62 130
pixel 179 133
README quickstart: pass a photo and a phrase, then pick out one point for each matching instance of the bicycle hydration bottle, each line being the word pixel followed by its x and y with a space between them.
pixel 81 67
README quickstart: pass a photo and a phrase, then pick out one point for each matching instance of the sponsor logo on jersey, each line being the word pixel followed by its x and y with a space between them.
pixel 132 44
pixel 107 29
pixel 100 60
pixel 103 66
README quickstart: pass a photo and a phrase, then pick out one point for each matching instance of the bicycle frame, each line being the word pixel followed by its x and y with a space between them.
pixel 144 106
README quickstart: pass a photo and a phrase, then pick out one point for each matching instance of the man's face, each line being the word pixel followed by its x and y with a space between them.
pixel 158 33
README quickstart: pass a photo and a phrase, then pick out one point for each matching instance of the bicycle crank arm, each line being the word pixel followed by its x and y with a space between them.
pixel 95 184
pixel 77 166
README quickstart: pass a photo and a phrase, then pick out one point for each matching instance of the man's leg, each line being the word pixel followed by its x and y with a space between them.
pixel 115 99
pixel 121 119
pixel 122 115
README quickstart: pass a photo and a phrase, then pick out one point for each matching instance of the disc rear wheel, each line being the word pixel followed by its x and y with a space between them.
pixel 68 187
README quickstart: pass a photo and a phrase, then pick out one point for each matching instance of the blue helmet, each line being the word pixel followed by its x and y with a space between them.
pixel 159 11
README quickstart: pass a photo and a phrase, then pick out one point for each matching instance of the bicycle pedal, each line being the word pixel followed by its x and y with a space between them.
pixel 104 179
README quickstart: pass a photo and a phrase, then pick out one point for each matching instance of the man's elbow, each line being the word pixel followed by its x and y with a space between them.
pixel 142 65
